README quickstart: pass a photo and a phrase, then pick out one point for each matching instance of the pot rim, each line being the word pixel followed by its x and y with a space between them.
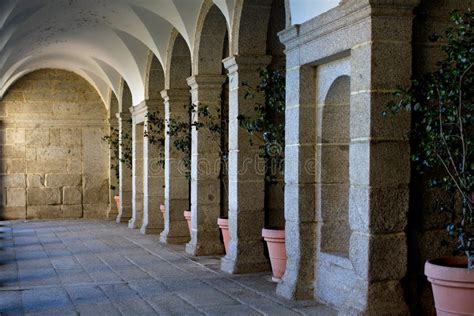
pixel 223 222
pixel 273 233
pixel 447 269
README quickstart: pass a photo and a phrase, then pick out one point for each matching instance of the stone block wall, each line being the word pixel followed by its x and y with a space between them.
pixel 53 161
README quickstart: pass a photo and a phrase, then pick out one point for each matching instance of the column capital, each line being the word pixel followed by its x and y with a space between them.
pixel 249 63
pixel 175 95
pixel 206 81
pixel 123 116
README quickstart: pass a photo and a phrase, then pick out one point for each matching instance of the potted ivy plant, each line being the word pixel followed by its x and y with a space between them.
pixel 214 124
pixel 268 125
pixel 155 132
pixel 114 142
pixel 180 133
pixel 441 103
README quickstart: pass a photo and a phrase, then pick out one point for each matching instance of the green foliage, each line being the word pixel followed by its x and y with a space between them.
pixel 155 131
pixel 267 124
pixel 442 108
pixel 180 135
pixel 113 140
pixel 203 119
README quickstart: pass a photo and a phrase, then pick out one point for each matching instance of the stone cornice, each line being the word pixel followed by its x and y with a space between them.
pixel 206 81
pixel 348 13
pixel 121 116
pixel 246 63
pixel 176 95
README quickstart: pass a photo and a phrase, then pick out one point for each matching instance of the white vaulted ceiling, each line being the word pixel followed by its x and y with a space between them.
pixel 103 41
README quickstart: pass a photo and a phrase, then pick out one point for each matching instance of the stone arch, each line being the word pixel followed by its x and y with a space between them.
pixel 250 26
pixel 155 81
pixel 211 42
pixel 333 179
pixel 178 65
pixel 124 97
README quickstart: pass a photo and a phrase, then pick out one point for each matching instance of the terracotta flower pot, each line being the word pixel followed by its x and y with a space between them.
pixel 117 201
pixel 223 224
pixel 275 239
pixel 453 285
pixel 187 215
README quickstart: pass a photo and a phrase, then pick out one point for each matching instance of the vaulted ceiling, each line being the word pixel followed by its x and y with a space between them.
pixel 104 41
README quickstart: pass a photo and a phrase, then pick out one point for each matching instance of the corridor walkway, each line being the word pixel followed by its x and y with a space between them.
pixel 98 268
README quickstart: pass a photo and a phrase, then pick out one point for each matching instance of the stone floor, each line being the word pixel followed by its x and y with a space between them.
pixel 100 268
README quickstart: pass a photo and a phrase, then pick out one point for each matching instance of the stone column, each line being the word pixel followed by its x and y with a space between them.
pixel 300 186
pixel 138 114
pixel 246 173
pixel 153 178
pixel 379 159
pixel 176 184
pixel 206 90
pixel 125 182
pixel 114 181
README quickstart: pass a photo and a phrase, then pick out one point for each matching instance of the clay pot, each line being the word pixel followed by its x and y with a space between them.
pixel 453 285
pixel 223 224
pixel 117 201
pixel 187 215
pixel 275 239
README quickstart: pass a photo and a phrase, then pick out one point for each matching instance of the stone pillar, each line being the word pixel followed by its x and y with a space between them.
pixel 176 184
pixel 379 159
pixel 206 90
pixel 153 178
pixel 114 181
pixel 246 173
pixel 376 42
pixel 300 186
pixel 125 182
pixel 138 114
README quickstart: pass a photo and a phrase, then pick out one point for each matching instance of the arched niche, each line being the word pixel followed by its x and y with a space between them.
pixel 333 139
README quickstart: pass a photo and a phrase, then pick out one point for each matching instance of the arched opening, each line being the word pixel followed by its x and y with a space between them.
pixel 255 197
pixel 209 89
pixel 333 156
pixel 178 140
pixel 113 157
pixel 125 128
pixel 153 151
pixel 54 162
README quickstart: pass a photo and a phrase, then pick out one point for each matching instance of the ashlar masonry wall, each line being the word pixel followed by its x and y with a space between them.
pixel 53 161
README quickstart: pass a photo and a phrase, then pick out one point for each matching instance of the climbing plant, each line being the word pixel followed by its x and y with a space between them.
pixel 180 135
pixel 113 140
pixel 267 124
pixel 155 132
pixel 203 119
pixel 441 103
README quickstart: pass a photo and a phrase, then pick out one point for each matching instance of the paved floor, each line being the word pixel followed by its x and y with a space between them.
pixel 100 268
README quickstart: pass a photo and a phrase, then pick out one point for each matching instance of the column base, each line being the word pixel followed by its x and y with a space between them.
pixel 122 219
pixel 205 248
pixel 134 224
pixel 147 230
pixel 167 239
pixel 234 266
